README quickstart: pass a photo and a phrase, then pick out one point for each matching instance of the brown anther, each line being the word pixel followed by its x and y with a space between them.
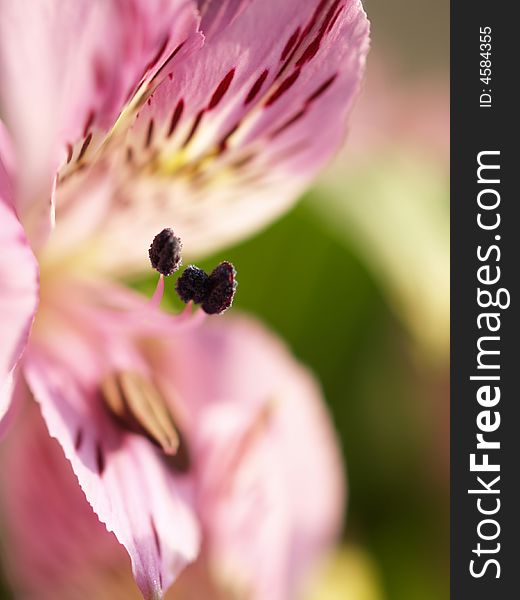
pixel 138 405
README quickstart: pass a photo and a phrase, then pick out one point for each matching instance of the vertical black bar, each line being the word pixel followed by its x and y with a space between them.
pixel 485 119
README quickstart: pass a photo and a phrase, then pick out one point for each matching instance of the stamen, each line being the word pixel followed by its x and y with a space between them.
pixel 165 252
pixel 138 405
pixel 221 289
pixel 155 300
pixel 215 292
pixel 192 285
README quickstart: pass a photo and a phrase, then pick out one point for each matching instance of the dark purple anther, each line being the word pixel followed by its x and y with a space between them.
pixel 192 285
pixel 165 252
pixel 222 284
pixel 215 292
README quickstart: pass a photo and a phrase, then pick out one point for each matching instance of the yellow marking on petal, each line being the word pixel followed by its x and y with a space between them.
pixel 169 164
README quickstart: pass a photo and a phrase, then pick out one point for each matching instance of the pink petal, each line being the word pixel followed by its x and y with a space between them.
pixel 217 15
pixel 270 486
pixel 18 290
pixel 265 466
pixel 7 402
pixel 124 477
pixel 232 135
pixel 57 546
pixel 66 73
pixel 264 106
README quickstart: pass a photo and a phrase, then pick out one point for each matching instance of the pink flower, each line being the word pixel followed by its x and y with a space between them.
pixel 117 117
pixel 265 480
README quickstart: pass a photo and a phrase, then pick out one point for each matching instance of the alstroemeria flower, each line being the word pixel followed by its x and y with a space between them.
pixel 265 479
pixel 118 118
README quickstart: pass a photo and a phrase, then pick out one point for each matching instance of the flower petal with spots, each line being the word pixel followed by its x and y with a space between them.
pixel 67 70
pixel 125 477
pixel 233 133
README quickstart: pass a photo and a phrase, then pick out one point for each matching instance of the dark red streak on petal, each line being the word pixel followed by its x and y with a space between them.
pixel 321 90
pixel 149 134
pixel 78 440
pixel 100 459
pixel 332 14
pixel 334 19
pixel 194 127
pixel 176 117
pixel 69 153
pixel 86 143
pixel 222 145
pixel 158 54
pixel 312 49
pixel 290 44
pixel 283 87
pixel 257 86
pixel 168 59
pixel 313 97
pixel 310 26
pixel 289 122
pixel 222 88
pixel 314 18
